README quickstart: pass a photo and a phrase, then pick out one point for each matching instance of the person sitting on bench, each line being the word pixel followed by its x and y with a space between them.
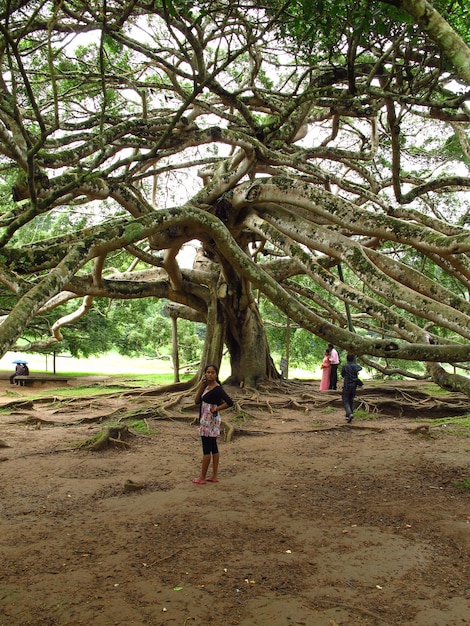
pixel 21 370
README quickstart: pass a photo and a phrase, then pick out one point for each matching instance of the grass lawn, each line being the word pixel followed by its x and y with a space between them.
pixel 113 364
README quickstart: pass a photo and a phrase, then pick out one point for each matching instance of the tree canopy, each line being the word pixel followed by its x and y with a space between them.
pixel 315 152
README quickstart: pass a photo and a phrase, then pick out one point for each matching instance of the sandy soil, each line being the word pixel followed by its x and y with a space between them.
pixel 314 522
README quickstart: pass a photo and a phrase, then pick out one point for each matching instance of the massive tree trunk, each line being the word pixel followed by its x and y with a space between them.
pixel 238 324
pixel 246 340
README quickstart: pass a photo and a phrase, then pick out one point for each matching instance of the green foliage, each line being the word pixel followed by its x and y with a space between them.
pixel 453 426
pixel 361 414
pixel 52 224
pixel 457 13
pixel 318 25
pixel 189 342
pixel 462 484
pixel 433 389
pixel 89 336
pixel 139 426
pixel 118 384
pixel 7 180
pixel 305 349
pixel 135 328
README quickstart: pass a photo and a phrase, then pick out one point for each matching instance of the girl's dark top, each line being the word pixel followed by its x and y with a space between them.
pixel 216 396
pixel 349 372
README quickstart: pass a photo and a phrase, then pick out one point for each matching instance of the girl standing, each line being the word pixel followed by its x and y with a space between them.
pixel 212 398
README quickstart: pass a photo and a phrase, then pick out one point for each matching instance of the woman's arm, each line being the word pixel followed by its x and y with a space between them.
pixel 220 398
pixel 200 391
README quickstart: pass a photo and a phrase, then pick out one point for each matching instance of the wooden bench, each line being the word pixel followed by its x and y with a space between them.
pixel 37 378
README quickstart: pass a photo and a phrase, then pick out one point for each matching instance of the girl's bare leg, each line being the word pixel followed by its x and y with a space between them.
pixel 215 466
pixel 206 459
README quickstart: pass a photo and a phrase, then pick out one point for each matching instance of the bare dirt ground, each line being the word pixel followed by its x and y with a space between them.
pixel 314 522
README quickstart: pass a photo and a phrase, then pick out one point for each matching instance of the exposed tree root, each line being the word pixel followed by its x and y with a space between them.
pixel 18 405
pixel 319 429
pixel 414 406
pixel 130 486
pixel 420 430
pixel 400 399
pixel 112 436
pixel 331 602
pixel 228 430
pixel 388 400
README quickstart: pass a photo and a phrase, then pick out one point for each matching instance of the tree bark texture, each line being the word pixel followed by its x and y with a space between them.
pixel 127 139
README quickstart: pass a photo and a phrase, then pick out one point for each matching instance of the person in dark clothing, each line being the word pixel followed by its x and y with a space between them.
pixel 350 373
pixel 213 399
pixel 19 371
pixel 334 362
